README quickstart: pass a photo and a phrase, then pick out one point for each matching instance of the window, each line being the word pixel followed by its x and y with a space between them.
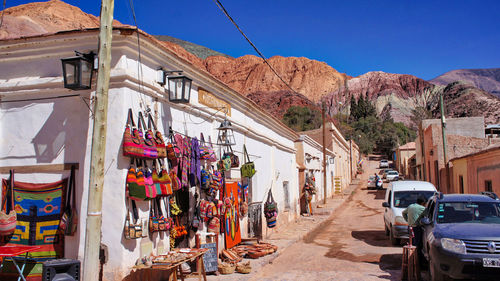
pixel 287 195
pixel 461 183
pixel 488 186
pixel 403 199
pixel 390 198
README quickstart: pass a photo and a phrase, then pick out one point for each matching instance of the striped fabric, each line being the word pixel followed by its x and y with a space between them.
pixel 39 208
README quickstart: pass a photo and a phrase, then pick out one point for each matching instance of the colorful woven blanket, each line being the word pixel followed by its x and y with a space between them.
pixel 39 208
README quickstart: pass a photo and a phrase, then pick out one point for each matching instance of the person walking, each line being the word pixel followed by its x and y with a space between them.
pixel 412 215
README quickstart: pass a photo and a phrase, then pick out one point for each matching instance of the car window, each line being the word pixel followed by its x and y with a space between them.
pixel 392 173
pixel 403 199
pixel 390 198
pixel 468 212
pixel 429 212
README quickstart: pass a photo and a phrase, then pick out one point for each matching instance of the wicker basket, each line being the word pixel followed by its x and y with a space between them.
pixel 226 268
pixel 244 268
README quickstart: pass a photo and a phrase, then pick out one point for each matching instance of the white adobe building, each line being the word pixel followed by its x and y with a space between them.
pixel 44 124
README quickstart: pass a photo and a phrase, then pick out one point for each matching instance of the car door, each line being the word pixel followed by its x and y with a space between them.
pixel 388 210
pixel 428 228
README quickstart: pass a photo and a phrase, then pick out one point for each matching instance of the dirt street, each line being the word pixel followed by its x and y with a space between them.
pixel 350 245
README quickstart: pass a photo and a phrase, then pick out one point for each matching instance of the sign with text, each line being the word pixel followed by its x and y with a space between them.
pixel 210 257
pixel 210 100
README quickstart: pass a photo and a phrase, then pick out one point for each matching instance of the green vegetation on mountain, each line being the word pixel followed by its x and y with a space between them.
pixel 302 118
pixel 195 49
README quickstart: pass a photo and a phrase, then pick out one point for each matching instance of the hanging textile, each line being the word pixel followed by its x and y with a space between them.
pixel 39 208
pixel 195 174
pixel 232 232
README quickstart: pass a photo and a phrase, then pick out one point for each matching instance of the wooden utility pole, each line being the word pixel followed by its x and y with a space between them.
pixel 443 128
pixel 323 109
pixel 94 207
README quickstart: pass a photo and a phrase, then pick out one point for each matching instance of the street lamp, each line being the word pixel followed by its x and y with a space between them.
pixel 77 71
pixel 179 88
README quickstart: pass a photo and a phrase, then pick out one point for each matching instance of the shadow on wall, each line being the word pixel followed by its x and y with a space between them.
pixel 64 131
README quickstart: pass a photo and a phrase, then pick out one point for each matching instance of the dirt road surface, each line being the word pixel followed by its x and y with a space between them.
pixel 350 245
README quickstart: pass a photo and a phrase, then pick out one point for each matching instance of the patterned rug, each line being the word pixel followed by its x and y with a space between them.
pixel 39 209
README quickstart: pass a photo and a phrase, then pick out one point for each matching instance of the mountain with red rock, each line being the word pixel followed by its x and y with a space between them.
pixel 487 79
pixel 312 81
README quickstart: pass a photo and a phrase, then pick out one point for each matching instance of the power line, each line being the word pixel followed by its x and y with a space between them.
pixel 221 7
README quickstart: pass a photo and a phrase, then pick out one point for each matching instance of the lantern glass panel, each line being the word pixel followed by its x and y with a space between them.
pixel 86 73
pixel 187 89
pixel 71 72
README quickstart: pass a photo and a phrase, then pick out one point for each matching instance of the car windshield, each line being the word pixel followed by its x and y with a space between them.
pixel 468 212
pixel 403 199
pixel 392 173
pixel 371 178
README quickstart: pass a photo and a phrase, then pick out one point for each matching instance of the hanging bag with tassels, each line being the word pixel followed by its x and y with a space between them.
pixel 161 179
pixel 206 152
pixel 271 210
pixel 248 169
pixel 69 219
pixel 157 137
pixel 8 215
pixel 136 187
pixel 148 181
pixel 133 143
pixel 150 150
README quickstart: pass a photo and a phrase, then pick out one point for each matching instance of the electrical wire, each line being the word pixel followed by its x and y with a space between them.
pixel 140 74
pixel 221 7
pixel 36 99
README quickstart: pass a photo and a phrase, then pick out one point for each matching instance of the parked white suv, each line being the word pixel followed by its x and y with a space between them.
pixel 398 196
pixel 392 176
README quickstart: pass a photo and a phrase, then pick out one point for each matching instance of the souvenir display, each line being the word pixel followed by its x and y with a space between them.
pixel 206 151
pixel 232 233
pixel 149 146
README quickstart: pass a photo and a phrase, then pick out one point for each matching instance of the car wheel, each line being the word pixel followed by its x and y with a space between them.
pixel 434 272
pixel 394 241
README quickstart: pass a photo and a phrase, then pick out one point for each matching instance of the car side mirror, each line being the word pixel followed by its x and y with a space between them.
pixel 385 204
pixel 425 221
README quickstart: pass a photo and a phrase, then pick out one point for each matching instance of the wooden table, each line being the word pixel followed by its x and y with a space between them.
pixel 9 252
pixel 195 255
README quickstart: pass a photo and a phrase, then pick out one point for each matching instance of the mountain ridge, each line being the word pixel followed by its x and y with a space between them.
pixel 487 79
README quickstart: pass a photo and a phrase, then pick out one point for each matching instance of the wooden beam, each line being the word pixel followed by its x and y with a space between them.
pixel 46 168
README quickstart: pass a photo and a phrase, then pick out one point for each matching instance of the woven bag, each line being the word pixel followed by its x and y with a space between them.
pixel 132 140
pixel 8 216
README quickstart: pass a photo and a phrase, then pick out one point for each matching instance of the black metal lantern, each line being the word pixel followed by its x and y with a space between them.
pixel 225 136
pixel 179 89
pixel 77 71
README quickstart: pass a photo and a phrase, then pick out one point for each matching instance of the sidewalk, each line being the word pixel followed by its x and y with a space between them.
pixel 294 231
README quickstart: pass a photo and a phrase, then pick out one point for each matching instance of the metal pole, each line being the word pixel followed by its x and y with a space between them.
pixel 443 128
pixel 324 149
pixel 94 208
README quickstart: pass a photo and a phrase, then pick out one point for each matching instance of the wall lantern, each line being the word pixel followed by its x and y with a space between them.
pixel 77 71
pixel 179 87
pixel 332 160
pixel 225 136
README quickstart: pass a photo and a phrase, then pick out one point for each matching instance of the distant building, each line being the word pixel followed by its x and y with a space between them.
pixel 492 131
pixel 476 172
pixel 403 154
pixel 463 136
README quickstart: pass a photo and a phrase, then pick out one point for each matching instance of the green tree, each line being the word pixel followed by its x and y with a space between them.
pixel 301 118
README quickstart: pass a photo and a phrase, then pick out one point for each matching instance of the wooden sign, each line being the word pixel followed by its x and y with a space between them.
pixel 210 100
pixel 210 257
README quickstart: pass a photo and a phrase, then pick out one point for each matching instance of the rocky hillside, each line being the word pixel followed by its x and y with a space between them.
pixel 485 79
pixel 45 17
pixel 201 52
pixel 464 100
pixel 249 74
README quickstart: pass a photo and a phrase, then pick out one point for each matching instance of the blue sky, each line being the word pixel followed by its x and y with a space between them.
pixel 423 38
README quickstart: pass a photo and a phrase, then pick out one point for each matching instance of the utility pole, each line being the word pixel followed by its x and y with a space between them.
pixel 94 207
pixel 443 127
pixel 323 109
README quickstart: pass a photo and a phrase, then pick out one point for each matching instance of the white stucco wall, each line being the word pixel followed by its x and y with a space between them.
pixel 56 131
